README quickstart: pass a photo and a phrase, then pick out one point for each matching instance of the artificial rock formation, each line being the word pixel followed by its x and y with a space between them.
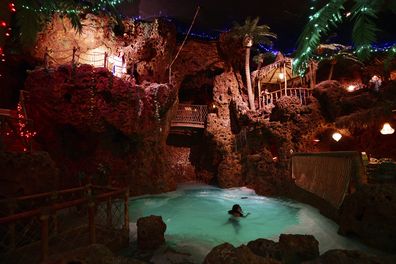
pixel 227 253
pixel 27 173
pixel 93 123
pixel 150 232
pixel 369 213
pixel 147 47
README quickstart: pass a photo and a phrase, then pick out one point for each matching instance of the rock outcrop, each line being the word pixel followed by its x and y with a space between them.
pixel 150 232
pixel 369 213
pixel 27 173
pixel 147 47
pixel 227 253
pixel 96 124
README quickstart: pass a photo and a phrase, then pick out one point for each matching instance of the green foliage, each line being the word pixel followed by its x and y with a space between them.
pixel 363 15
pixel 319 24
pixel 33 15
pixel 251 28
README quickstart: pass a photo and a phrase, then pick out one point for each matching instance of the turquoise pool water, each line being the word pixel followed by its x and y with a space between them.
pixel 197 219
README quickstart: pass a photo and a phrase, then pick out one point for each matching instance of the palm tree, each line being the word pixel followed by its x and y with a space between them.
pixel 363 14
pixel 248 33
pixel 337 53
pixel 32 15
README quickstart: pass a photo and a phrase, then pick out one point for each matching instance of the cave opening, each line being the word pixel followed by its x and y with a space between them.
pixel 190 148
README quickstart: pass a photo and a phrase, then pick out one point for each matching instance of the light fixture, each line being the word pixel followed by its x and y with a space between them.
pixel 351 88
pixel 281 76
pixel 387 129
pixel 336 136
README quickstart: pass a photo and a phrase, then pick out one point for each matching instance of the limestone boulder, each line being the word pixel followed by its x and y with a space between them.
pixel 298 248
pixel 265 248
pixel 338 256
pixel 150 232
pixel 27 173
pixel 369 213
pixel 227 253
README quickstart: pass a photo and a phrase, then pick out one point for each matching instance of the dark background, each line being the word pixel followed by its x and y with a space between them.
pixel 285 17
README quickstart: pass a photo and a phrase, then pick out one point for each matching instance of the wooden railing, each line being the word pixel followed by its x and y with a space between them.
pixel 36 226
pixel 113 63
pixel 190 116
pixel 271 97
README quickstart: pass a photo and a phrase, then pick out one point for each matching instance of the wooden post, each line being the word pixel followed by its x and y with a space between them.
pixel 126 212
pixel 91 222
pixel 259 93
pixel 54 198
pixel 105 60
pixel 109 219
pixel 12 208
pixel 74 55
pixel 284 74
pixel 44 236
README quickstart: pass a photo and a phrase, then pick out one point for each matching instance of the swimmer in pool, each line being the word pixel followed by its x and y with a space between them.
pixel 236 211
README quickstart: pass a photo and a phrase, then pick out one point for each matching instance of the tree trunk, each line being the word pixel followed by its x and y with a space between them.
pixel 248 79
pixel 332 63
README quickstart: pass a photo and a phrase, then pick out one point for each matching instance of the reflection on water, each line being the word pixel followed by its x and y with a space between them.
pixel 197 219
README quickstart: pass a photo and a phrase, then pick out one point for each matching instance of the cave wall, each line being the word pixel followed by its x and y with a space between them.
pixel 148 47
pixel 93 123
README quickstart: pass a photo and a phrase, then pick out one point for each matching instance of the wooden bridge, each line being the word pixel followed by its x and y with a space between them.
pixel 190 116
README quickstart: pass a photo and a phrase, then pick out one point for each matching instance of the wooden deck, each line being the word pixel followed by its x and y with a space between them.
pixel 190 116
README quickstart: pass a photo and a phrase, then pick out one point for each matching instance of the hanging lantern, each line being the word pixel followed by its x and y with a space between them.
pixel 387 129
pixel 336 136
pixel 281 76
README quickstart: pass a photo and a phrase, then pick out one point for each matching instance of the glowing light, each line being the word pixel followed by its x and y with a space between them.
pixel 214 106
pixel 336 136
pixel 3 24
pixel 275 158
pixel 316 140
pixel 348 14
pixel 387 129
pixel 351 88
pixel 281 76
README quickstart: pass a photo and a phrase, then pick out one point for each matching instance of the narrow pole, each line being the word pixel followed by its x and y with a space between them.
pixel 91 222
pixel 259 93
pixel 284 74
pixel 74 55
pixel 126 212
pixel 184 42
pixel 44 236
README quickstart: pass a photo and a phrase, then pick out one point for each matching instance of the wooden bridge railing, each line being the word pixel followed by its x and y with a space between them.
pixel 272 97
pixel 190 116
pixel 36 226
pixel 113 63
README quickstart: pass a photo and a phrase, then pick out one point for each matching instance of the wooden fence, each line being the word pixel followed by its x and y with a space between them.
pixel 36 226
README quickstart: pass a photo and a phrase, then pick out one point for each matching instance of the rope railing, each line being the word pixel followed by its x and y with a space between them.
pixel 113 63
pixel 77 217
pixel 190 116
pixel 302 93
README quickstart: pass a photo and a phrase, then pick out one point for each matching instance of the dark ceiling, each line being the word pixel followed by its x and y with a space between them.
pixel 285 17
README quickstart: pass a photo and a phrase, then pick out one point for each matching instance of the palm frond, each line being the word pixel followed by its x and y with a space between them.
pixel 259 33
pixel 318 25
pixel 364 31
pixel 29 25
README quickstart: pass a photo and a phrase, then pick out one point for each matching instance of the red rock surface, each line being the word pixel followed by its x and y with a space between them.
pixel 86 118
pixel 27 173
